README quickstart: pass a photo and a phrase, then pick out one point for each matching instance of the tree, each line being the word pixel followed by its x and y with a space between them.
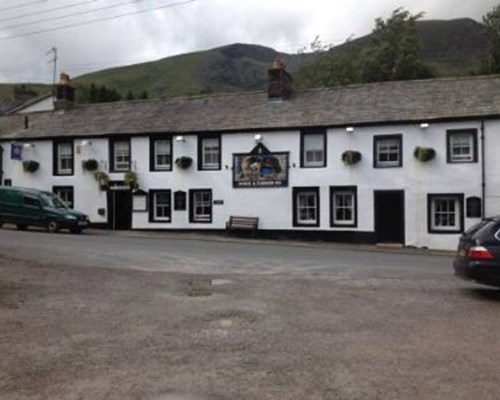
pixel 491 61
pixel 130 95
pixel 394 53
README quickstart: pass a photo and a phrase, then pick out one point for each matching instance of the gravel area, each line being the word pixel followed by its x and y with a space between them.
pixel 74 333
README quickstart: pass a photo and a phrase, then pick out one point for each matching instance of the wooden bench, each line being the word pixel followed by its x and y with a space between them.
pixel 242 223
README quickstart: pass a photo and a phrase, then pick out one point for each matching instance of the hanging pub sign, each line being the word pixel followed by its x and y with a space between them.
pixel 260 168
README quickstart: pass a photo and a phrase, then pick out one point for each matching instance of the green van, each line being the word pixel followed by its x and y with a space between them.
pixel 31 207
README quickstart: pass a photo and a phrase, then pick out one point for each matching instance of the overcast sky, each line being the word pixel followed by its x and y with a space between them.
pixel 133 31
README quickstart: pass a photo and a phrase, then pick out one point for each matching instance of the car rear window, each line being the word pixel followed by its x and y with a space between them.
pixel 472 230
pixel 485 230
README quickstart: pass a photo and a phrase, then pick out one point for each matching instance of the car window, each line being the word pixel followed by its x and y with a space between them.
pixel 487 231
pixel 31 201
pixel 475 228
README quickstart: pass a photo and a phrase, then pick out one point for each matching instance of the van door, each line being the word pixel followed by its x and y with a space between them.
pixel 31 212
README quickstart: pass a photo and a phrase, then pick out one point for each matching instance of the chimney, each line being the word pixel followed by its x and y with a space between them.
pixel 65 94
pixel 280 81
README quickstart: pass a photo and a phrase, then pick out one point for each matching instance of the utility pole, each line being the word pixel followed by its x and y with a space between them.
pixel 53 51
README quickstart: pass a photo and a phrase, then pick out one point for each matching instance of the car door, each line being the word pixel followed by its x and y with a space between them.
pixel 32 213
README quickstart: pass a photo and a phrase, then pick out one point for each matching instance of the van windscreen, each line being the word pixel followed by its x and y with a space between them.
pixel 53 201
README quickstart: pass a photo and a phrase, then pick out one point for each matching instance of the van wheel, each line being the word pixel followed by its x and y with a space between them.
pixel 21 227
pixel 52 227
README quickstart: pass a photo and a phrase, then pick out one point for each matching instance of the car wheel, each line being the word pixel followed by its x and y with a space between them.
pixel 52 227
pixel 76 229
pixel 21 227
pixel 1 222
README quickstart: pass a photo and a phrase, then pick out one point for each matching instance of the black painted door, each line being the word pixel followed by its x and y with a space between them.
pixel 119 209
pixel 390 216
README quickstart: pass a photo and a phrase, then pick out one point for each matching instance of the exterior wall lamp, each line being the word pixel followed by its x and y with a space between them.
pixel 258 138
pixel 86 143
pixel 180 138
pixel 424 125
pixel 29 146
pixel 349 129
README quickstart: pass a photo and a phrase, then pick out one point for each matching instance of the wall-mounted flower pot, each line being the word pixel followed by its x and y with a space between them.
pixel 424 154
pixel 183 162
pixel 90 165
pixel 30 166
pixel 351 157
pixel 131 180
pixel 102 179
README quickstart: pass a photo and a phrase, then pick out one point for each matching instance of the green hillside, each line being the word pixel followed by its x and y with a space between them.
pixel 450 48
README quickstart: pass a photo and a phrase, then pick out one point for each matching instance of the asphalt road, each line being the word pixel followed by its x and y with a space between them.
pixel 171 252
pixel 157 316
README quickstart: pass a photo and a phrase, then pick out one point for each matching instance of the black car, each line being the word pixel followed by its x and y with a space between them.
pixel 478 255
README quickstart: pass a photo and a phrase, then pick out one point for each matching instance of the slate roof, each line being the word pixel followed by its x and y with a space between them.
pixel 377 103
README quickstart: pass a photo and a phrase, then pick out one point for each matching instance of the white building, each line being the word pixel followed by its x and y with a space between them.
pixel 279 157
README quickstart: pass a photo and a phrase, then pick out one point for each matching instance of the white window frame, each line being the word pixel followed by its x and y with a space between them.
pixel 313 150
pixel 63 193
pixel 210 153
pixel 165 206
pixel 446 213
pixel 338 195
pixel 202 199
pixel 121 155
pixel 306 211
pixel 461 147
pixel 65 158
pixel 388 146
pixel 165 153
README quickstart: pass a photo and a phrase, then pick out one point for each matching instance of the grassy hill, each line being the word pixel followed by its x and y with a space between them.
pixel 450 48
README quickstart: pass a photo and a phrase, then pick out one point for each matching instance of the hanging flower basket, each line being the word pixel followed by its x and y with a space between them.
pixel 30 166
pixel 350 157
pixel 131 180
pixel 184 162
pixel 102 178
pixel 90 165
pixel 424 154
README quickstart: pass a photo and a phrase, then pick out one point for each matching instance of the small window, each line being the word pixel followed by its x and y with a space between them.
pixel 388 151
pixel 160 209
pixel 313 152
pixel 180 201
pixel 65 193
pixel 343 200
pixel 209 154
pixel 200 206
pixel 473 207
pixel 120 155
pixel 161 154
pixel 462 146
pixel 445 213
pixel 7 182
pixel 63 158
pixel 306 206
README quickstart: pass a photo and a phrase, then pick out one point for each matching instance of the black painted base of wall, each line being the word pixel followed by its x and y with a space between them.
pixel 358 237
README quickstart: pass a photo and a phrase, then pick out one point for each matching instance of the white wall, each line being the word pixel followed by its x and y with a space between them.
pixel 274 206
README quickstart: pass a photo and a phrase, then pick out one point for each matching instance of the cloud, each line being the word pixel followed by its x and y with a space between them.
pixel 285 25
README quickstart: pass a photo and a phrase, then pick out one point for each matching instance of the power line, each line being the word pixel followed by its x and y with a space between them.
pixel 30 14
pixel 69 15
pixel 96 20
pixel 22 5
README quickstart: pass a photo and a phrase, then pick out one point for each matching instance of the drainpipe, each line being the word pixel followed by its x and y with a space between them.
pixel 483 172
pixel 1 165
